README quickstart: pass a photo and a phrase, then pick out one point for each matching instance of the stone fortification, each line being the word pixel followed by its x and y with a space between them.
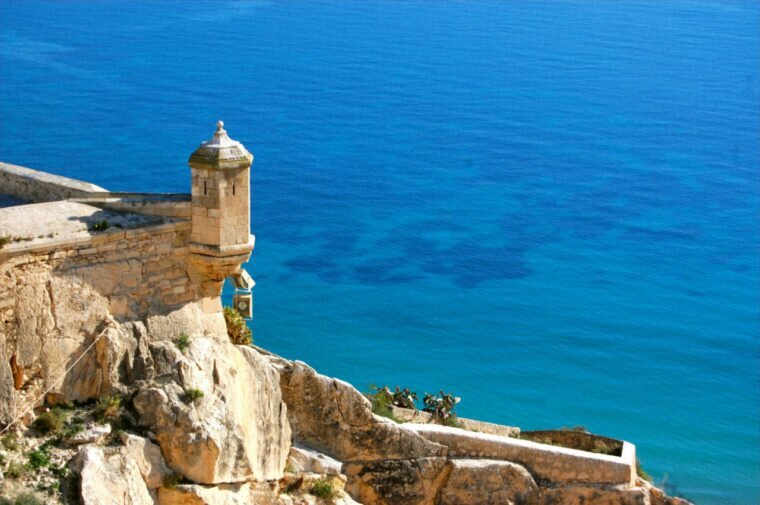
pixel 36 186
pixel 116 295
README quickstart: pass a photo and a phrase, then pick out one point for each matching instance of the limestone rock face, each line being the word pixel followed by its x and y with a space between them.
pixel 476 482
pixel 580 495
pixel 148 457
pixel 307 460
pixel 91 434
pixel 56 318
pixel 333 417
pixel 106 480
pixel 242 494
pixel 384 463
pixel 396 482
pixel 227 494
pixel 657 496
pixel 237 431
pixel 7 394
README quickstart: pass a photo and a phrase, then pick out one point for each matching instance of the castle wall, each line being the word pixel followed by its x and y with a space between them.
pixel 36 186
pixel 56 296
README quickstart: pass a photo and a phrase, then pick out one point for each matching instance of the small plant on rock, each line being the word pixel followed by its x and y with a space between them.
pixel 5 241
pixel 172 480
pixel 38 459
pixel 182 342
pixel 10 441
pixel 108 409
pixel 75 426
pixel 237 330
pixel 15 470
pixel 441 405
pixel 323 488
pixel 23 499
pixel 101 226
pixel 381 400
pixel 193 394
pixel 50 422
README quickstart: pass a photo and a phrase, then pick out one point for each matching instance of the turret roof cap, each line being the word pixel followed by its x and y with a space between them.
pixel 221 152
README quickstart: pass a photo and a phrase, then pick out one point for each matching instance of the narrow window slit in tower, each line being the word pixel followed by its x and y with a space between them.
pixel 204 187
pixel 233 190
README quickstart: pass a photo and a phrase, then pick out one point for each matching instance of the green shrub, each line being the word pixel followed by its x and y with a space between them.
pixel 441 405
pixel 182 342
pixel 108 408
pixel 15 470
pixel 452 421
pixel 50 422
pixel 4 241
pixel 100 226
pixel 172 480
pixel 10 441
pixel 38 459
pixel 23 499
pixel 322 488
pixel 381 400
pixel 237 330
pixel 76 426
pixel 193 394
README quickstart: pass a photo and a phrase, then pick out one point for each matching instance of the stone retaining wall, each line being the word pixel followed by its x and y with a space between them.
pixel 547 463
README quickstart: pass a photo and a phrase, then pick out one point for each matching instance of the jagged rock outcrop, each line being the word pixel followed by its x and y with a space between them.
pixel 148 457
pixel 396 481
pixel 236 431
pixel 7 395
pixel 333 417
pixel 108 479
pixel 307 460
pixel 384 463
pixel 224 494
pixel 580 495
pixel 90 435
pixel 251 494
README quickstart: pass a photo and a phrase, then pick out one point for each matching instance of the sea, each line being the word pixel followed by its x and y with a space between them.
pixel 550 209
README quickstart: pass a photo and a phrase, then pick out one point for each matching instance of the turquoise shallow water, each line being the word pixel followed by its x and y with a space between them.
pixel 549 208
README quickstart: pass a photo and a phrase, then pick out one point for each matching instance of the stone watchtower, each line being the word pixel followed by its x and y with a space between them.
pixel 221 238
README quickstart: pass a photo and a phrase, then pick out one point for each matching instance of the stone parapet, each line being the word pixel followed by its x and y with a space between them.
pixel 175 205
pixel 37 186
pixel 420 417
pixel 547 463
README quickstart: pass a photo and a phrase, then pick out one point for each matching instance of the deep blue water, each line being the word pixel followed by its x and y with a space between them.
pixel 550 208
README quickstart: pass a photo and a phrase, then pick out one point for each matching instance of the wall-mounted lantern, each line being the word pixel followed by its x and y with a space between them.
pixel 242 299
